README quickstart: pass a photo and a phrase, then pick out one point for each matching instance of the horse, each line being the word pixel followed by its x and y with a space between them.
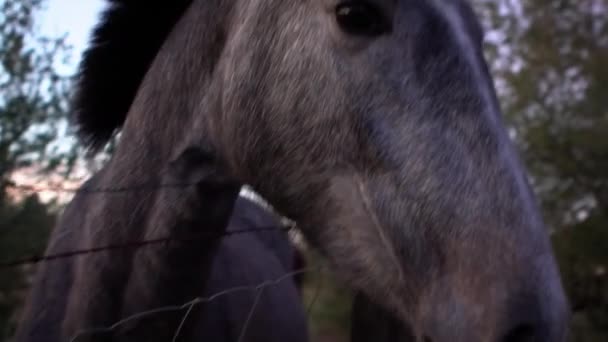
pixel 373 124
pixel 278 314
pixel 259 252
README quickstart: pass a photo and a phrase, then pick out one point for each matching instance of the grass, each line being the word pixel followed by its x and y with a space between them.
pixel 329 304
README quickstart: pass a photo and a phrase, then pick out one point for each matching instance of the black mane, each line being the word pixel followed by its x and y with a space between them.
pixel 123 45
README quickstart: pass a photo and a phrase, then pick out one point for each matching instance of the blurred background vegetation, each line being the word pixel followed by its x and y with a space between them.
pixel 550 63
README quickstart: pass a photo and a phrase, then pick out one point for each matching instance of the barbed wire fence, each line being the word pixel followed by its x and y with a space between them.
pixel 187 307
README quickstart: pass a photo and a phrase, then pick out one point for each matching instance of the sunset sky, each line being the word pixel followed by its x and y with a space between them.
pixel 74 18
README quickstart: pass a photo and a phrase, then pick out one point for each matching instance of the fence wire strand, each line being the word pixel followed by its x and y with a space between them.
pixel 190 304
pixel 256 300
pixel 183 321
pixel 36 259
pixel 88 190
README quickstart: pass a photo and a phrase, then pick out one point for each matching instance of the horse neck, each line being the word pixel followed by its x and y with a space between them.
pixel 168 114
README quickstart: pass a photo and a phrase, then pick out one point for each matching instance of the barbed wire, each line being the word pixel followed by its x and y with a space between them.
pixel 188 306
pixel 36 259
pixel 256 300
pixel 86 190
pixel 199 300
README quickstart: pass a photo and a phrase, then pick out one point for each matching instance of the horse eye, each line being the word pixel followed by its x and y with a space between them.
pixel 360 18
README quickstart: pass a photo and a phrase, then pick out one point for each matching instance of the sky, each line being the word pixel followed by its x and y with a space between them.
pixel 75 18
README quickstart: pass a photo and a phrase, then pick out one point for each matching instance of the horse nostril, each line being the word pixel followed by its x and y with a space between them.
pixel 521 333
pixel 426 339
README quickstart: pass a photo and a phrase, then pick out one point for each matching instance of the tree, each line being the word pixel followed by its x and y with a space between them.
pixel 25 228
pixel 33 99
pixel 549 58
pixel 33 96
pixel 582 254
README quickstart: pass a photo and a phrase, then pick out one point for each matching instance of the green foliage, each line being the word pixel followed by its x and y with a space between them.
pixel 33 99
pixel 553 81
pixel 33 96
pixel 329 304
pixel 24 230
pixel 583 257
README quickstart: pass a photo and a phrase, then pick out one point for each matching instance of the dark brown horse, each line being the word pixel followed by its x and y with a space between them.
pixel 258 252
pixel 250 260
pixel 373 124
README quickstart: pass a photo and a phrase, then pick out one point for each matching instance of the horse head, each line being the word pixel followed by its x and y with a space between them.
pixel 374 124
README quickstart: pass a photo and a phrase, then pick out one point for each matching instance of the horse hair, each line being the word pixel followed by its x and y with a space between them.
pixel 122 48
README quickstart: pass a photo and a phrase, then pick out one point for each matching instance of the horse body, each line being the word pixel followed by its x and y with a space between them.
pixel 251 260
pixel 373 124
pixel 242 260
